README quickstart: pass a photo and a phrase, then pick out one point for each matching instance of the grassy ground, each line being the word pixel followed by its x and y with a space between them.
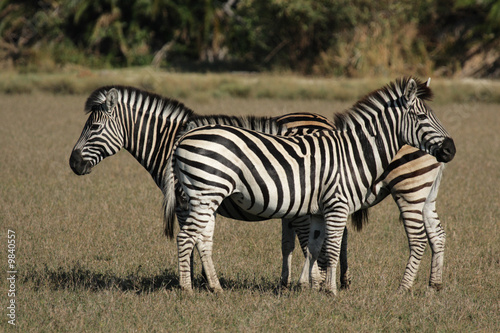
pixel 90 254
pixel 203 87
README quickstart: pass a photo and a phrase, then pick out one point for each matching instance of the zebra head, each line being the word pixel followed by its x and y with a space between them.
pixel 421 128
pixel 102 135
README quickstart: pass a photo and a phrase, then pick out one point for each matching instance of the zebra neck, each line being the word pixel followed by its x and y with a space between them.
pixel 149 138
pixel 374 144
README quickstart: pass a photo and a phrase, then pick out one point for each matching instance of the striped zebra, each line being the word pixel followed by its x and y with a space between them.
pixel 413 179
pixel 146 125
pixel 328 173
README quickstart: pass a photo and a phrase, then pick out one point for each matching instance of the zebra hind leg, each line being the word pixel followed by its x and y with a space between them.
pixel 287 247
pixel 345 275
pixel 204 279
pixel 437 239
pixel 205 246
pixel 290 227
pixel 199 235
pixel 185 245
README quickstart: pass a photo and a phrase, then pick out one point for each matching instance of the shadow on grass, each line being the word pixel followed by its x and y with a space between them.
pixel 78 278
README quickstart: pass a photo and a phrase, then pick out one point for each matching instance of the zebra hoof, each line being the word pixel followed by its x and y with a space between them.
pixel 304 286
pixel 216 290
pixel 283 286
pixel 402 291
pixel 330 292
pixel 316 286
pixel 345 286
pixel 435 286
pixel 187 290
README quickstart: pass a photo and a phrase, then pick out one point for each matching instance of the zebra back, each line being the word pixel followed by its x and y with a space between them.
pixel 261 124
pixel 304 123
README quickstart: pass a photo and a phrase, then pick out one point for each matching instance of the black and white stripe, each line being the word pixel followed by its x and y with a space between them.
pixel 122 117
pixel 326 174
pixel 413 179
pixel 146 124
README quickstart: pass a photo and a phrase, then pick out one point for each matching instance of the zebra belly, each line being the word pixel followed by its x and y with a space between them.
pixel 230 209
pixel 273 205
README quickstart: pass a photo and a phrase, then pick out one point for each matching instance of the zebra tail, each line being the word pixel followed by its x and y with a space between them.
pixel 169 199
pixel 360 218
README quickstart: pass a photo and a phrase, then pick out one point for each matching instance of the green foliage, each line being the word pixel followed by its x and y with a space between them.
pixel 331 36
pixel 489 8
pixel 321 37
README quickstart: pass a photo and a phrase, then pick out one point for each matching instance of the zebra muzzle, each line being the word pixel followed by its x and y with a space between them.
pixel 78 164
pixel 447 151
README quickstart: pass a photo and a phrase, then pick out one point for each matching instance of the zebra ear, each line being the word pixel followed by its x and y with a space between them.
pixel 111 99
pixel 411 92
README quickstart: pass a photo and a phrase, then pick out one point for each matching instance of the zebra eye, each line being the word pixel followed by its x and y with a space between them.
pixel 421 116
pixel 95 127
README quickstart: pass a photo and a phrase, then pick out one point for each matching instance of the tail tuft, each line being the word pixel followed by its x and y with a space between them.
pixel 360 218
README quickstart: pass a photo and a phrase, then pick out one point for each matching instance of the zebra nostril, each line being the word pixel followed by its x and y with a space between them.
pixel 449 147
pixel 447 151
pixel 78 164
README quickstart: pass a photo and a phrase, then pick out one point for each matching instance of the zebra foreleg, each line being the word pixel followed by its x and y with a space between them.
pixel 335 223
pixel 345 277
pixel 435 233
pixel 310 275
pixel 301 227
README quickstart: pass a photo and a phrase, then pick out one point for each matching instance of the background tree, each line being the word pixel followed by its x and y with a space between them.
pixel 321 37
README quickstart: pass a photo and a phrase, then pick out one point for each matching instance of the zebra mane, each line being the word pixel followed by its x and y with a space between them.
pixel 391 92
pixel 97 100
pixel 267 125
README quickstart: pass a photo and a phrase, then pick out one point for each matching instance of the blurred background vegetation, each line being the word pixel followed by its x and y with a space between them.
pixel 359 38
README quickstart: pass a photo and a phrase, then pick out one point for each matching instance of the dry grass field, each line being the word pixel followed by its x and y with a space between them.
pixel 90 254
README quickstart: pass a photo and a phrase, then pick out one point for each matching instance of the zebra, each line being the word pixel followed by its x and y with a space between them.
pixel 146 125
pixel 413 179
pixel 328 173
